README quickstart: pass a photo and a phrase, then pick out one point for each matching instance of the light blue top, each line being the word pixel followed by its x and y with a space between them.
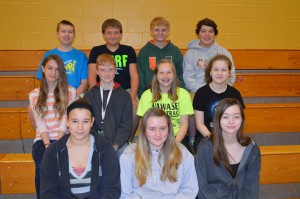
pixel 76 64
pixel 186 186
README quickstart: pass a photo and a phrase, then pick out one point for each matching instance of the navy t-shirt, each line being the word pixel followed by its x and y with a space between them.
pixel 124 56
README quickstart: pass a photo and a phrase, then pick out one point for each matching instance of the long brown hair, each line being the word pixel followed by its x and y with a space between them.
pixel 60 91
pixel 155 89
pixel 170 154
pixel 220 154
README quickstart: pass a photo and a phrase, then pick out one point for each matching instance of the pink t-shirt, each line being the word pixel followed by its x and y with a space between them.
pixel 50 123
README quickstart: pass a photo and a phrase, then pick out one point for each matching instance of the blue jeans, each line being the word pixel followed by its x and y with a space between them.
pixel 38 150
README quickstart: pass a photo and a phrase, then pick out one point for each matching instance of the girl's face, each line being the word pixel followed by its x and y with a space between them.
pixel 231 120
pixel 157 130
pixel 220 72
pixel 165 76
pixel 80 122
pixel 51 71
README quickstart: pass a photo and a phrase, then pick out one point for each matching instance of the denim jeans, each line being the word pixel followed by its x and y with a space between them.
pixel 38 150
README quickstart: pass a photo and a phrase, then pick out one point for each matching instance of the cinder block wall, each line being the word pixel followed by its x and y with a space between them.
pixel 243 24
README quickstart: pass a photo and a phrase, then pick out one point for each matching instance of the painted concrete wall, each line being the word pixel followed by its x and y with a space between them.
pixel 243 24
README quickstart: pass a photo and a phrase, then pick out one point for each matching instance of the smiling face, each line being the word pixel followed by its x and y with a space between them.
pixel 220 72
pixel 79 122
pixel 206 36
pixel 159 33
pixel 157 130
pixel 231 120
pixel 65 34
pixel 165 76
pixel 51 71
pixel 112 35
pixel 106 72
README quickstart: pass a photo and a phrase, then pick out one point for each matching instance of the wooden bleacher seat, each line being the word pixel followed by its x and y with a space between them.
pixel 15 124
pixel 268 85
pixel 266 59
pixel 16 87
pixel 249 84
pixel 272 118
pixel 17 174
pixel 29 60
pixel 280 164
pixel 10 123
pixel 260 118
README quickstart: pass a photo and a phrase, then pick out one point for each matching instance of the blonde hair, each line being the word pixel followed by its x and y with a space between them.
pixel 160 21
pixel 104 59
pixel 170 156
pixel 155 89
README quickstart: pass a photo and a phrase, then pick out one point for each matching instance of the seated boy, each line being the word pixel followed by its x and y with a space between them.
pixel 112 104
pixel 155 50
pixel 200 52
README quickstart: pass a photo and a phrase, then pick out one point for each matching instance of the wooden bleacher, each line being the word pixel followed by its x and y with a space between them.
pixel 249 84
pixel 14 122
pixel 276 74
pixel 28 60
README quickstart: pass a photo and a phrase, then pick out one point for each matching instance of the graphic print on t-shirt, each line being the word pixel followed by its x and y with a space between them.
pixel 121 62
pixel 70 66
pixel 172 110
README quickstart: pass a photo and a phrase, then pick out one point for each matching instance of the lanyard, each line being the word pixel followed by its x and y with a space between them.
pixel 108 98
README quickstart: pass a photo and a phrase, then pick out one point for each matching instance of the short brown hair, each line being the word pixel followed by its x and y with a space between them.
pixel 207 22
pixel 64 22
pixel 111 23
pixel 105 59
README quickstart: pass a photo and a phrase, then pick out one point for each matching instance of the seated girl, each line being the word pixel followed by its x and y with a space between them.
pixel 47 109
pixel 157 166
pixel 165 94
pixel 228 163
pixel 217 74
pixel 80 165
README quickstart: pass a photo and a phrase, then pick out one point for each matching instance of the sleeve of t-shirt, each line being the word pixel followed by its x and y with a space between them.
pixel 145 103
pixel 93 56
pixel 197 102
pixel 84 68
pixel 132 56
pixel 186 107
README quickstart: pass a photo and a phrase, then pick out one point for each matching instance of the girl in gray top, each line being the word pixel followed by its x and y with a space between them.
pixel 228 163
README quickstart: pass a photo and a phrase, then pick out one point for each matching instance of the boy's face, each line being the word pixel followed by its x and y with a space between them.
pixel 65 34
pixel 106 73
pixel 112 35
pixel 206 36
pixel 159 33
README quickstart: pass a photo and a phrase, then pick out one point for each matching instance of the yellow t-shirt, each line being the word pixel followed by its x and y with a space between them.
pixel 183 106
